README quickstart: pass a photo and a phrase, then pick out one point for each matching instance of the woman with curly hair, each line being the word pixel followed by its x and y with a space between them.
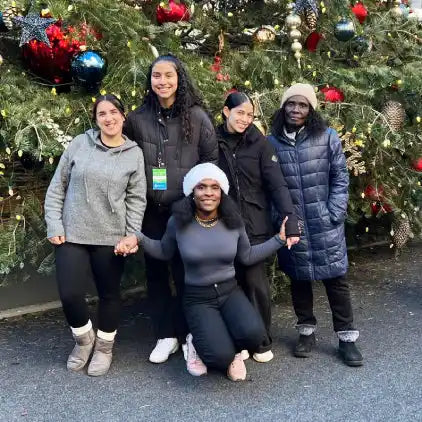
pixel 175 133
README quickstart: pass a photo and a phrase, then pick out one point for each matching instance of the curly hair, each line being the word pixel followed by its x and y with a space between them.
pixel 314 123
pixel 183 212
pixel 187 95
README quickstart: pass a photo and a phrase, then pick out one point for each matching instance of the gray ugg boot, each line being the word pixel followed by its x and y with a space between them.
pixel 101 359
pixel 82 351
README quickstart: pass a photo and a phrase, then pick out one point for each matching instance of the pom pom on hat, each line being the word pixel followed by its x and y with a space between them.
pixel 204 171
pixel 305 90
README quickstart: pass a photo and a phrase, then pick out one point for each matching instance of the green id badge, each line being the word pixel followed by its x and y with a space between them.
pixel 159 179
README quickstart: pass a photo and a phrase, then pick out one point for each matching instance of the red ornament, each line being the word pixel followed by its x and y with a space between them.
pixel 216 66
pixel 52 63
pixel 375 208
pixel 174 12
pixel 332 94
pixel 378 206
pixel 230 91
pixel 360 11
pixel 312 41
pixel 374 193
pixel 417 164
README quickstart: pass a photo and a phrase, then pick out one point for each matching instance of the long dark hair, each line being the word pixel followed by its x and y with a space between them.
pixel 228 212
pixel 314 123
pixel 111 99
pixel 187 95
pixel 235 99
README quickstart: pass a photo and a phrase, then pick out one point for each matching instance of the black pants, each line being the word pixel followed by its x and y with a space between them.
pixel 254 282
pixel 75 265
pixel 338 294
pixel 166 310
pixel 222 322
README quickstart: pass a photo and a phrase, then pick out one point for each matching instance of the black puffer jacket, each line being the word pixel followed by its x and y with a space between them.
pixel 154 131
pixel 255 178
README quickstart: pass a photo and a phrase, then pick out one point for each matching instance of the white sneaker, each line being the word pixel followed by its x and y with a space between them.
pixel 194 363
pixel 245 354
pixel 185 350
pixel 163 349
pixel 263 357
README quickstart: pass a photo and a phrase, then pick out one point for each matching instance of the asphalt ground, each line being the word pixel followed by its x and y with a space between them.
pixel 387 299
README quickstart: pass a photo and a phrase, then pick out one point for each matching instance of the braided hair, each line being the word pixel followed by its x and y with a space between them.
pixel 187 95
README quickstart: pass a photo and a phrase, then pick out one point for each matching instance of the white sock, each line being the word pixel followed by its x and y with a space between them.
pixel 106 336
pixel 79 331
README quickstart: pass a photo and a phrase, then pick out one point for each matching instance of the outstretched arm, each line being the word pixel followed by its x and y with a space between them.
pixel 159 249
pixel 249 255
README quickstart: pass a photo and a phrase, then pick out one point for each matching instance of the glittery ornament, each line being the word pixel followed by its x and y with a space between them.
pixel 360 11
pixel 7 16
pixel 333 94
pixel 264 33
pixel 33 27
pixel 53 63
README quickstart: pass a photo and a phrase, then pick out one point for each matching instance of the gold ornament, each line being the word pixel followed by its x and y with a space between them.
pixel 264 33
pixel 396 10
pixel 293 21
pixel 401 232
pixel 311 19
pixel 1 59
pixel 394 114
pixel 260 125
pixel 8 15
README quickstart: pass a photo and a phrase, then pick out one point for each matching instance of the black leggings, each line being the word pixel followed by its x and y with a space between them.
pixel 75 265
pixel 222 322
pixel 254 282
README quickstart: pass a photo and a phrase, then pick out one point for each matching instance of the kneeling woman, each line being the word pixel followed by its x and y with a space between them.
pixel 97 195
pixel 208 230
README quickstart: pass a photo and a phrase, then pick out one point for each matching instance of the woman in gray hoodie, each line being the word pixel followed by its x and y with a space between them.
pixel 97 195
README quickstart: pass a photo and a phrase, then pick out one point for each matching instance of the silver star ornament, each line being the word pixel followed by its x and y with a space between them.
pixel 33 28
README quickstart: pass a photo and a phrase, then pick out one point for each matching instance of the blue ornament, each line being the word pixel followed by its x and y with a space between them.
pixel 88 69
pixel 2 24
pixel 344 30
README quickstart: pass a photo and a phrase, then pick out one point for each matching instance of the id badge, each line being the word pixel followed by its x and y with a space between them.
pixel 159 179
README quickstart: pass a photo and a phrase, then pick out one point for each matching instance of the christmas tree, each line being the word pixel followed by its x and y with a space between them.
pixel 363 58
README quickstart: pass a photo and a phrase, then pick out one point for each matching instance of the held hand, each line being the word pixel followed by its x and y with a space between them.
pixel 282 233
pixel 57 240
pixel 127 245
pixel 292 241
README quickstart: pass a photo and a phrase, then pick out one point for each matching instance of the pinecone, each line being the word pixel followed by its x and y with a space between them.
pixel 8 15
pixel 401 232
pixel 395 114
pixel 310 19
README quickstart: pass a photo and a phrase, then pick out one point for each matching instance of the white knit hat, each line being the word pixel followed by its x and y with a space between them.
pixel 305 90
pixel 201 172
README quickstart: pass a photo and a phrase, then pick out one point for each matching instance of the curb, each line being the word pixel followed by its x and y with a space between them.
pixel 56 304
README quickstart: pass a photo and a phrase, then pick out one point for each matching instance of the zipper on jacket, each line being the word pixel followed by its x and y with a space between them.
pixel 304 211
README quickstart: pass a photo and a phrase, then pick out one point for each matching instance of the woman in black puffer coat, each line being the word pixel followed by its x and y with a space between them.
pixel 255 180
pixel 175 134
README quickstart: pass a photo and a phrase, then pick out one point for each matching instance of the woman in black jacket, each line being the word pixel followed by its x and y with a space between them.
pixel 175 133
pixel 253 171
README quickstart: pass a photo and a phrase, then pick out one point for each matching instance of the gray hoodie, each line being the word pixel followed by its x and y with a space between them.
pixel 97 194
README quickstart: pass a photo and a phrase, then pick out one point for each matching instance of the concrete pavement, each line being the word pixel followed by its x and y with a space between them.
pixel 387 297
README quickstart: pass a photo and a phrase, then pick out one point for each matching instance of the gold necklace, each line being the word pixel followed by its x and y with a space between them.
pixel 206 223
